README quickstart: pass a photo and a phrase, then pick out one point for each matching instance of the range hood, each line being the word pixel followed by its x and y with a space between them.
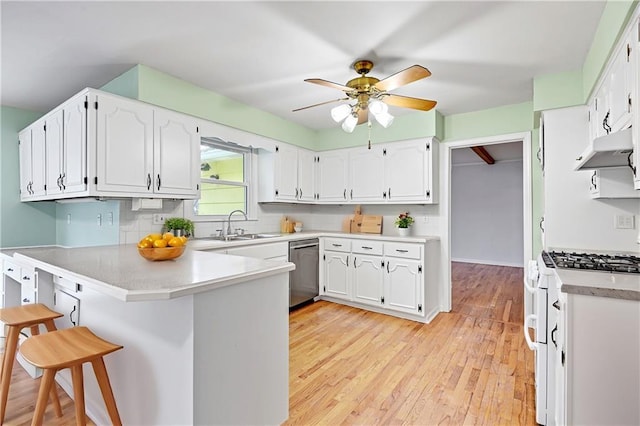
pixel 610 150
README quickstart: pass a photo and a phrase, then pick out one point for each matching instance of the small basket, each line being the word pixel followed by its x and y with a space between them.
pixel 165 253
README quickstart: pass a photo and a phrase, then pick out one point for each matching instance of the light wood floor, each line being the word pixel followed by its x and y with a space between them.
pixel 348 366
pixel 469 366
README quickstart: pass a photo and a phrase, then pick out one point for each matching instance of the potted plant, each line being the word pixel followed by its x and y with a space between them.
pixel 403 222
pixel 179 226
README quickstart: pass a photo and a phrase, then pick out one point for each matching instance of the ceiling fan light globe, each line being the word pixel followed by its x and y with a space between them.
pixel 385 119
pixel 350 123
pixel 377 107
pixel 340 112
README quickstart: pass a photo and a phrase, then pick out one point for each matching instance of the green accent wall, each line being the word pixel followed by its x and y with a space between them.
pixel 173 93
pixel 21 224
pixel 126 84
pixel 489 122
pixel 83 229
pixel 557 90
pixel 614 18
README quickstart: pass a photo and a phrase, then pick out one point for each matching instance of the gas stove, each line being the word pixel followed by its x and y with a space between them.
pixel 618 263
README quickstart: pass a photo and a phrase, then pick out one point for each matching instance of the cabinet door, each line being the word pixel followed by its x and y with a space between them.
pixel 336 274
pixel 601 103
pixel 124 146
pixel 620 83
pixel 306 175
pixel 403 289
pixel 38 158
pixel 406 177
pixel 332 176
pixel 74 155
pixel 286 170
pixel 368 279
pixel 366 174
pixel 68 305
pixel 53 152
pixel 24 138
pixel 176 154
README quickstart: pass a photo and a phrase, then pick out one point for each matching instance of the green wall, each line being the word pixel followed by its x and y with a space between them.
pixel 557 90
pixel 21 224
pixel 489 122
pixel 126 84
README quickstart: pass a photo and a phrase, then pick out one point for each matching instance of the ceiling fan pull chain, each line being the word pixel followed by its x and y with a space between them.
pixel 369 126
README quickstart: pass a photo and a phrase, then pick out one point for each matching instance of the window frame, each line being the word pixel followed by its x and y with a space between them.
pixel 250 182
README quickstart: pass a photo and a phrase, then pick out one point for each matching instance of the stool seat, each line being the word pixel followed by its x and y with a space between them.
pixel 15 319
pixel 70 348
pixel 27 315
pixel 65 348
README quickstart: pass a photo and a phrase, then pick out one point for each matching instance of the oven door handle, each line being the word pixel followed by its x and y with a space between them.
pixel 529 288
pixel 530 319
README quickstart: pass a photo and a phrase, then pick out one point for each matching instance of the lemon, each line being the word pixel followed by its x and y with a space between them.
pixel 154 236
pixel 160 243
pixel 168 236
pixel 176 242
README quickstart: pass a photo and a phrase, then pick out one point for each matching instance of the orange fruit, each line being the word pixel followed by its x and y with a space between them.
pixel 175 242
pixel 160 243
pixel 183 238
pixel 168 236
pixel 155 236
pixel 145 243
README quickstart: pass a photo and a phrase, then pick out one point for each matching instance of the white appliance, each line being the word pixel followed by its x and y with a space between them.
pixel 541 317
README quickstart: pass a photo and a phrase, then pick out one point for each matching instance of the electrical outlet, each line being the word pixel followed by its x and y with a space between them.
pixel 110 218
pixel 68 218
pixel 624 221
pixel 99 220
pixel 158 219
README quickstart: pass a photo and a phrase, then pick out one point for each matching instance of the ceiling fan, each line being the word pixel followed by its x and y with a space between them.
pixel 371 94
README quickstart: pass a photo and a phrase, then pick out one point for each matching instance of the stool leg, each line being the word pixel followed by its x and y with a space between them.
pixel 7 367
pixel 105 387
pixel 78 393
pixel 55 401
pixel 50 325
pixel 43 394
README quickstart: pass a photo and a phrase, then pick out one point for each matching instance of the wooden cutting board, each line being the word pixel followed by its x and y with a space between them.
pixel 356 223
pixel 371 224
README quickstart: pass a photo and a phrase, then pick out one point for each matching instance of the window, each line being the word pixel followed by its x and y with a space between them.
pixel 225 177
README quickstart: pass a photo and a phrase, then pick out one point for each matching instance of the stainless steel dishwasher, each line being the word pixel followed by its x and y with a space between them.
pixel 303 281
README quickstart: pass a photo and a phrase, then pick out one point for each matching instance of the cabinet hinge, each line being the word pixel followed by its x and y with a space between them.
pixel 85 180
pixel 382 263
pixel 419 269
pixel 198 187
pixel 197 129
pixel 384 151
pixel 428 193
pixel 45 186
pixel 277 148
pixel 324 257
pixel 629 102
pixel 95 104
pixel 324 288
pixel 427 146
pixel 589 117
pixel 382 300
pixel 628 52
pixel 54 298
pixel 276 192
pixel 86 104
pixel 95 180
pixel 419 307
pixel 596 104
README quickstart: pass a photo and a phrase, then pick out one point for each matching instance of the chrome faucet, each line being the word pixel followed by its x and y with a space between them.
pixel 229 219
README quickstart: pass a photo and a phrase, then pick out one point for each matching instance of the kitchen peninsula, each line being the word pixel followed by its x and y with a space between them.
pixel 205 336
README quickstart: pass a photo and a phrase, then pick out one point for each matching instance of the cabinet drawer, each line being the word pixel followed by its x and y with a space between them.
pixel 366 247
pixel 407 251
pixel 28 295
pixel 337 244
pixel 65 283
pixel 11 269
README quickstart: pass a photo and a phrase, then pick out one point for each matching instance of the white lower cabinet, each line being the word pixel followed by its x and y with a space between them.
pixel 384 276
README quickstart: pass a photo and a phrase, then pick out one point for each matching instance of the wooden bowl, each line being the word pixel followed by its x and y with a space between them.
pixel 166 253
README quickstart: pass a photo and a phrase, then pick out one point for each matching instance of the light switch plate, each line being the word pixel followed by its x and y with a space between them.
pixel 624 221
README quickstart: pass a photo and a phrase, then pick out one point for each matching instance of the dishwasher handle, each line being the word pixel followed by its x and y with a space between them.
pixel 303 246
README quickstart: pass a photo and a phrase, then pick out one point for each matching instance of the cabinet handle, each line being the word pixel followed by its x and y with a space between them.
pixel 64 175
pixel 553 335
pixel 384 194
pixel 402 251
pixel 300 192
pixel 541 224
pixel 538 155
pixel 352 194
pixel 605 123
pixel 347 261
pixel 26 300
pixel 593 179
pixel 387 267
pixel 556 305
pixel 158 180
pixel 71 317
pixel 337 245
pixel 562 358
pixel 354 262
pixel 148 181
pixel 344 194
pixel 367 248
pixel 26 278
pixel 10 269
pixel 630 164
pixel 389 193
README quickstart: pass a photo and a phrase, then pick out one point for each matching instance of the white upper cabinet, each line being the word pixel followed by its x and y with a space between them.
pixel 98 144
pixel 635 42
pixel 408 171
pixel 366 174
pixel 32 162
pixel 124 146
pixel 176 154
pixel 332 176
pixel 287 174
pixel 620 86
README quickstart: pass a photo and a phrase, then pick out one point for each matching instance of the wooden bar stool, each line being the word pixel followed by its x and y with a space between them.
pixel 70 348
pixel 17 318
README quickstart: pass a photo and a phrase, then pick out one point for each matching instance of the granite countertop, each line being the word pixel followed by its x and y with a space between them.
pixel 120 271
pixel 602 284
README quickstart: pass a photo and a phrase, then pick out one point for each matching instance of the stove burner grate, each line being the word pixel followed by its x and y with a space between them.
pixel 596 262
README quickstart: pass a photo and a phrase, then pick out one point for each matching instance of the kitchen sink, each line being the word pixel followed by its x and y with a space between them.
pixel 238 237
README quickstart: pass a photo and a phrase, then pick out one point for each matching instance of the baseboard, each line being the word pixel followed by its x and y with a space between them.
pixel 488 262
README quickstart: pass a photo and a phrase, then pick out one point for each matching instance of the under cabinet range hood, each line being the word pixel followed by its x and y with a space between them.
pixel 610 150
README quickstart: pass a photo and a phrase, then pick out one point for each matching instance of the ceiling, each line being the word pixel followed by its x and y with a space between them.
pixel 508 151
pixel 482 54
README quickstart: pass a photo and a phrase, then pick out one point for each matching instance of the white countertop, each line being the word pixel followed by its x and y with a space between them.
pixel 210 244
pixel 121 272
pixel 603 284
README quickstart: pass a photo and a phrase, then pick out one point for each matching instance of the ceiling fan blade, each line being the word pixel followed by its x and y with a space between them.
pixel 363 115
pixel 327 83
pixel 408 102
pixel 406 76
pixel 321 103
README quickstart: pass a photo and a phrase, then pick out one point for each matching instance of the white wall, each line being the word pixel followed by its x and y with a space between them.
pixel 486 213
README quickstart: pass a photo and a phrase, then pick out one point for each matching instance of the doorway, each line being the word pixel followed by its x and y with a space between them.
pixel 447 151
